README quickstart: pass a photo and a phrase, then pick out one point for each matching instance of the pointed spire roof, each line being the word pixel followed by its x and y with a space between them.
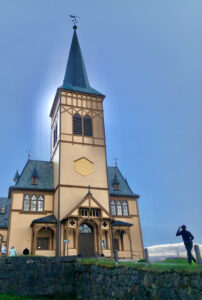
pixel 76 78
pixel 17 176
pixel 115 181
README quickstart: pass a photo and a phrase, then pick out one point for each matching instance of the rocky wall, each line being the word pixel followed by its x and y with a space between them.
pixel 43 276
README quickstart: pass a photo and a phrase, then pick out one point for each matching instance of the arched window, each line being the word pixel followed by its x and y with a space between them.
pixel 113 208
pixel 77 124
pixel 125 208
pixel 40 203
pixel 26 203
pixel 87 123
pixel 33 203
pixel 119 208
pixel 85 228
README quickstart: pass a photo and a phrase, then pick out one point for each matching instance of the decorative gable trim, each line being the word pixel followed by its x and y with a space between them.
pixel 88 196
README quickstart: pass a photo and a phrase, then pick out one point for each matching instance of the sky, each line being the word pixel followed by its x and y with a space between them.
pixel 145 56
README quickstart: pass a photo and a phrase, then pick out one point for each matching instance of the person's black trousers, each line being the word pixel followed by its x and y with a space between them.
pixel 188 246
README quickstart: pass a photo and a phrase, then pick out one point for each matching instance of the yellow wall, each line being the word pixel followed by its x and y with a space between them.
pixel 70 197
pixel 4 233
pixel 20 231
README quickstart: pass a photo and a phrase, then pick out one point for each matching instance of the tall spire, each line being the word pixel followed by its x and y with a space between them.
pixel 76 78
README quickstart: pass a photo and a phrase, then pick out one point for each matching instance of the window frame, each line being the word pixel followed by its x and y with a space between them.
pixel 77 134
pixel 122 208
pixel 43 238
pixel 87 117
pixel 82 125
pixel 37 195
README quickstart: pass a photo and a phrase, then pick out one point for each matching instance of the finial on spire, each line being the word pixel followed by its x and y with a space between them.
pixel 28 153
pixel 89 192
pixel 74 21
pixel 116 161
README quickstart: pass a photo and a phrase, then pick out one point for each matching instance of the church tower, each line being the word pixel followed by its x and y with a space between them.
pixel 73 204
pixel 78 146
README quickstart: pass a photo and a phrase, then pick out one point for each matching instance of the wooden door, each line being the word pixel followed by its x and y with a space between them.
pixel 86 244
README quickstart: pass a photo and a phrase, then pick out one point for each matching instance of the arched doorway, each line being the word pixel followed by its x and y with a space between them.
pixel 86 240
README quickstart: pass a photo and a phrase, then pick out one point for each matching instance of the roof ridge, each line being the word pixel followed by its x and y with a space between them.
pixel 40 160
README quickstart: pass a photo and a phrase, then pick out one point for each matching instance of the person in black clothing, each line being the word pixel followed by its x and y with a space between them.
pixel 26 251
pixel 187 238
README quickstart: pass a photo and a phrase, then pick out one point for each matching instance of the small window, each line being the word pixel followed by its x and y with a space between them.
pixel 119 208
pixel 87 123
pixel 77 124
pixel 26 203
pixel 103 244
pixel 42 243
pixel 55 135
pixel 113 208
pixel 3 210
pixel 40 203
pixel 125 208
pixel 116 186
pixel 33 203
pixel 34 180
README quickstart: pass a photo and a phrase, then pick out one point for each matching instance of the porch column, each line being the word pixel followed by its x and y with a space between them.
pixel 129 235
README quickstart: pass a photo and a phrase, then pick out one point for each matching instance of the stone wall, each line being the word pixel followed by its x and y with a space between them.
pixel 42 276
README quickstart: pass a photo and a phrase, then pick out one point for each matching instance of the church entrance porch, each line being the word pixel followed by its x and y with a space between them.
pixel 44 236
pixel 86 240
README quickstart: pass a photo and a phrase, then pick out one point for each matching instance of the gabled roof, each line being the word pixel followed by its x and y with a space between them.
pixel 49 219
pixel 4 218
pixel 87 196
pixel 44 171
pixel 125 190
pixel 76 78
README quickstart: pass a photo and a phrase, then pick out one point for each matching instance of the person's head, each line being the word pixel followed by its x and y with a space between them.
pixel 12 247
pixel 183 227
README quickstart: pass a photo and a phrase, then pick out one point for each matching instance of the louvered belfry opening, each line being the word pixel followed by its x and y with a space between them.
pixel 77 124
pixel 87 123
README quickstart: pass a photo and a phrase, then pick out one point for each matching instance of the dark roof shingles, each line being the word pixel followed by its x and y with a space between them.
pixel 44 171
pixel 48 219
pixel 125 190
pixel 4 218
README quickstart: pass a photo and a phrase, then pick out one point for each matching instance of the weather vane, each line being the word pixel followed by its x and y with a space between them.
pixel 116 161
pixel 29 153
pixel 74 20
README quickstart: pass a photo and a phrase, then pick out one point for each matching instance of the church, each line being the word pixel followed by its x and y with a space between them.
pixel 73 204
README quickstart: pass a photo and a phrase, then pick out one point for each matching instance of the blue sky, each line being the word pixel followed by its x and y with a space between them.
pixel 145 56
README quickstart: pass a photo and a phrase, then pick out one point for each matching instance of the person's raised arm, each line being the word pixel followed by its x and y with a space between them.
pixel 178 231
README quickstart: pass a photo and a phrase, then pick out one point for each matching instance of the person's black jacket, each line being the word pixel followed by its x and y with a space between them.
pixel 186 235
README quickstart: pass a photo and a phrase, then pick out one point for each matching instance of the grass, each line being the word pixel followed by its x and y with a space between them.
pixel 168 265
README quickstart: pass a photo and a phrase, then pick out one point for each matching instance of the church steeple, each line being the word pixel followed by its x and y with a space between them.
pixel 76 78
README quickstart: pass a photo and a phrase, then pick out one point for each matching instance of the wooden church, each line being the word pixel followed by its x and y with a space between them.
pixel 73 204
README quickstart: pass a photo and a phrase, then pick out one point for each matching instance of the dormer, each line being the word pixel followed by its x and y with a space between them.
pixel 34 178
pixel 116 183
pixel 3 210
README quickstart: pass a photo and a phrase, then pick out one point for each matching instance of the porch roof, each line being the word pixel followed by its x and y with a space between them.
pixel 49 219
pixel 121 223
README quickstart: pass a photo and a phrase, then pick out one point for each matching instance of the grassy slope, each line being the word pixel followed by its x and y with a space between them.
pixel 178 265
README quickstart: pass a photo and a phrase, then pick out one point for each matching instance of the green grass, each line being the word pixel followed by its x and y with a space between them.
pixel 168 265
